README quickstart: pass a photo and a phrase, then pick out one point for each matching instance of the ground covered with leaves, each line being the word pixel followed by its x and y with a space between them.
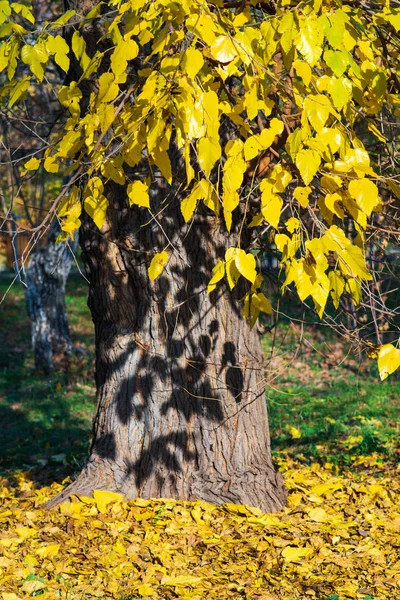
pixel 335 435
pixel 338 538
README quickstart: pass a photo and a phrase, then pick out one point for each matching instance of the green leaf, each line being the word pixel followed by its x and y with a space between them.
pixel 337 61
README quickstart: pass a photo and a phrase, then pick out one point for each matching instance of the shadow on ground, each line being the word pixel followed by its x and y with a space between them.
pixel 45 421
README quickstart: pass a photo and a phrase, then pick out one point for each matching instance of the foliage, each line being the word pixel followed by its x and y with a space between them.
pixel 338 536
pixel 279 114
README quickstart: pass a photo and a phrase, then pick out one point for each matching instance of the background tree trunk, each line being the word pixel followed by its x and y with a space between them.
pixel 45 278
pixel 181 411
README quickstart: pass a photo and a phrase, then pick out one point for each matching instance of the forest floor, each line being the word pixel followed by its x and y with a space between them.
pixel 335 434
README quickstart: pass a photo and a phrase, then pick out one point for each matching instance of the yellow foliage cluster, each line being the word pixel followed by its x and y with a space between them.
pixel 338 536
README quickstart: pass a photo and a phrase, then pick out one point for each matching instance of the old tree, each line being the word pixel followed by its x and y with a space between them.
pixel 194 135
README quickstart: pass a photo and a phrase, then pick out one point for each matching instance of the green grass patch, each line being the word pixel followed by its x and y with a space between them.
pixel 327 405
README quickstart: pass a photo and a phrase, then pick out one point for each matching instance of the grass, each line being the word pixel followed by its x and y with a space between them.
pixel 46 420
pixel 327 405
pixel 324 406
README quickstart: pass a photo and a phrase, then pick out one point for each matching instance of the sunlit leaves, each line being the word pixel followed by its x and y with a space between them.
pixel 209 151
pixel 192 62
pixel 310 39
pixel 35 56
pixel 249 116
pixel 388 360
pixel 59 47
pixel 365 193
pixel 157 264
pixel 125 51
pixel 223 50
pixel 138 193
pixel 308 162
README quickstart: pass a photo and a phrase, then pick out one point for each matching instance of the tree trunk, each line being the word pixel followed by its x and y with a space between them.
pixel 45 278
pixel 181 411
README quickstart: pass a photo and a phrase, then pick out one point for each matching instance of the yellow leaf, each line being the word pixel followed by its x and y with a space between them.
pixel 180 580
pixel 301 194
pixel 95 203
pixel 317 109
pixel 125 51
pixel 26 532
pixel 365 193
pixel 48 550
pixel 103 498
pixel 209 151
pixel 232 273
pixel 19 89
pixel 308 162
pixel 202 190
pixel 303 69
pixel 59 47
pixel 223 49
pixel 31 586
pixel 157 265
pixel 35 56
pixel 146 590
pixel 268 135
pixel 337 286
pixel 163 162
pixel 292 224
pixel 138 193
pixel 291 553
pixel 318 515
pixel 210 105
pixel 341 91
pixel 262 303
pixel 388 360
pixel 310 39
pixel 78 45
pixel 108 88
pixel 32 165
pixel 332 204
pixel 351 258
pixel 218 273
pixel 246 265
pixel 271 206
pixel 50 164
pixel 354 287
pixel 294 432
pixel 192 62
pixel 252 147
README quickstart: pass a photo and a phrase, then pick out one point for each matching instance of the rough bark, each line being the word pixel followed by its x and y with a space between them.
pixel 181 411
pixel 45 280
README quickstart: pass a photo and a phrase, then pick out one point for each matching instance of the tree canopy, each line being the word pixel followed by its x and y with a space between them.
pixel 275 117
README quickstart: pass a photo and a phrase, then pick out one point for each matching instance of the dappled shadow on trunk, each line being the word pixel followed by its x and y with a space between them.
pixel 180 388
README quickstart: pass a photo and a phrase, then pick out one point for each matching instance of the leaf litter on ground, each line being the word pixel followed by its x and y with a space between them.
pixel 339 537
